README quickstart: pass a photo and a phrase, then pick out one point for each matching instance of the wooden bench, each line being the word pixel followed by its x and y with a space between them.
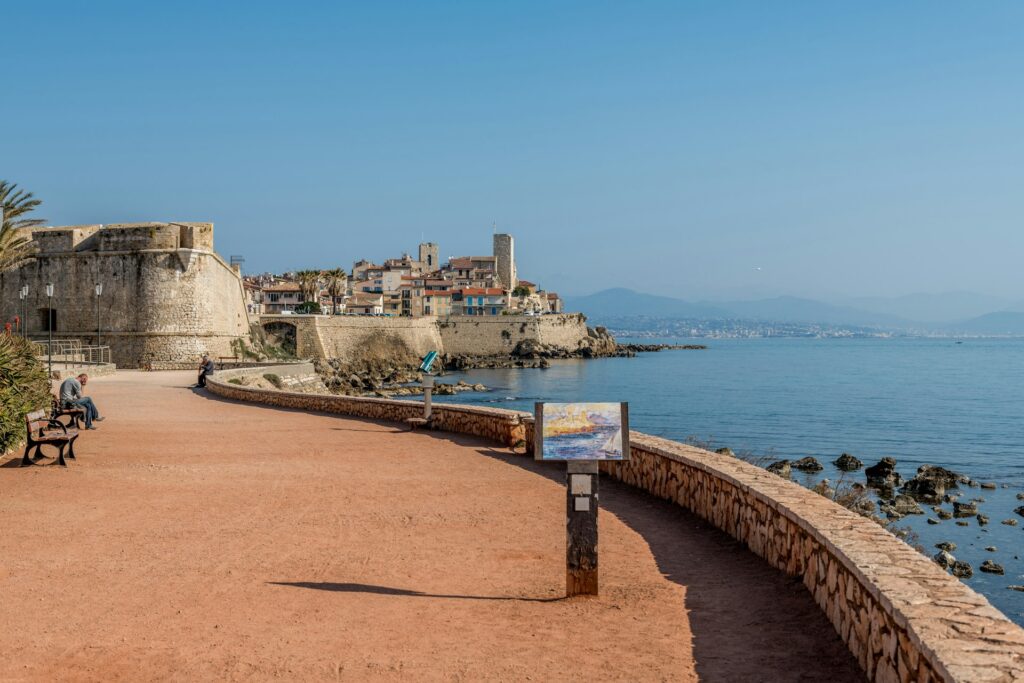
pixel 42 431
pixel 76 413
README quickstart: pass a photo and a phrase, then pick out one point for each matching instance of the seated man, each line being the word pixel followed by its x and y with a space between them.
pixel 71 395
pixel 205 369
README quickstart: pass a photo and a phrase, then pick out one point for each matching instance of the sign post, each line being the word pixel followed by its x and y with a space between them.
pixel 581 435
pixel 428 383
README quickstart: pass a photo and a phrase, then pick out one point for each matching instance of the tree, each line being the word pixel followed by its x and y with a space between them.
pixel 310 283
pixel 521 291
pixel 337 283
pixel 15 245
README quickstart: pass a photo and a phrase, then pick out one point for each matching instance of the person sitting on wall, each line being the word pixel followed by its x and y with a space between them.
pixel 205 370
pixel 71 397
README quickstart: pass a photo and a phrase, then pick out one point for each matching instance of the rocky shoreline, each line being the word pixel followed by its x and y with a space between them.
pixel 929 489
pixel 377 377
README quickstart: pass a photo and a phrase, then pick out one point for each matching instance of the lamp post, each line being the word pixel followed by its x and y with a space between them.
pixel 23 295
pixel 99 290
pixel 49 328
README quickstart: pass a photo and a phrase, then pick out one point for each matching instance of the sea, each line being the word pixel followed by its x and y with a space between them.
pixel 954 403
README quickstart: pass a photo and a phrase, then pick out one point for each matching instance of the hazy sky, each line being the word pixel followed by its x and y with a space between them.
pixel 675 147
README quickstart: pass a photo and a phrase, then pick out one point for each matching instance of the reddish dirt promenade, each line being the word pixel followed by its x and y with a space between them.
pixel 200 539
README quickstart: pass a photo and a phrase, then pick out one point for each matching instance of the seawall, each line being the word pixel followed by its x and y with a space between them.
pixel 351 338
pixel 902 617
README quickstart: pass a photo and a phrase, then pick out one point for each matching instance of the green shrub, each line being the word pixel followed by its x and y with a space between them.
pixel 308 307
pixel 23 388
pixel 273 379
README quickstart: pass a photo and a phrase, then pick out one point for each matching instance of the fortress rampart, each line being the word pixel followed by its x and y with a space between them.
pixel 902 617
pixel 356 337
pixel 167 297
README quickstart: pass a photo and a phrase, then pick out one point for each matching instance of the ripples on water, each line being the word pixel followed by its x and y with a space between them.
pixel 918 400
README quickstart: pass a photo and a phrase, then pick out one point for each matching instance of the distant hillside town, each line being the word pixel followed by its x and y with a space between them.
pixel 464 286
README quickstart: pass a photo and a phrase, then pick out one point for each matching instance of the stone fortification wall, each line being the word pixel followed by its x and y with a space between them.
pixel 167 298
pixel 352 338
pixel 902 617
pixel 486 336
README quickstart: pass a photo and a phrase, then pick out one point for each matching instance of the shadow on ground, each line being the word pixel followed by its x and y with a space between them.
pixel 385 590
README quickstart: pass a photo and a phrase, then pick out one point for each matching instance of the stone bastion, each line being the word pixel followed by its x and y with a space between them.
pixel 901 616
pixel 167 296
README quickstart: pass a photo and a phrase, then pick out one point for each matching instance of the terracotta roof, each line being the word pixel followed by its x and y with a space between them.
pixel 283 287
pixel 436 292
pixel 527 283
pixel 477 291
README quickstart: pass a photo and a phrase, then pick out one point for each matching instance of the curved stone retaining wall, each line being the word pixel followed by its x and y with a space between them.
pixel 901 616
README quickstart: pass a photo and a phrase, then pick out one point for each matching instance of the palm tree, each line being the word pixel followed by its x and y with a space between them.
pixel 309 284
pixel 337 283
pixel 15 245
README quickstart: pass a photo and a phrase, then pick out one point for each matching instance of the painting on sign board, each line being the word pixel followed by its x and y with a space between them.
pixel 582 431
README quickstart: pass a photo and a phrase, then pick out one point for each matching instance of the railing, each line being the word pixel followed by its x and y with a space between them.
pixel 72 352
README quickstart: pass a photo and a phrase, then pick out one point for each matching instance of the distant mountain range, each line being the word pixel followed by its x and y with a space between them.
pixel 954 312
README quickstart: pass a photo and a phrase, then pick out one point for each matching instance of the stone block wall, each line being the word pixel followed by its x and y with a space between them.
pixel 158 305
pixel 903 618
pixel 499 335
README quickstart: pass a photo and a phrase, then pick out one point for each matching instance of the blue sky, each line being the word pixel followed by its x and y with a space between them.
pixel 672 147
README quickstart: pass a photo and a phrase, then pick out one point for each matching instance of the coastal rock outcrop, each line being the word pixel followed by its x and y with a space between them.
pixel 990 567
pixel 848 463
pixel 965 509
pixel 807 464
pixel 883 474
pixel 781 468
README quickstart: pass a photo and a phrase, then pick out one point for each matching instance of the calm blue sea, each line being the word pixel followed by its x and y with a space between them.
pixel 918 400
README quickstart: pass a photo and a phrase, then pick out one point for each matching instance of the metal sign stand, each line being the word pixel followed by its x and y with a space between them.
pixel 581 528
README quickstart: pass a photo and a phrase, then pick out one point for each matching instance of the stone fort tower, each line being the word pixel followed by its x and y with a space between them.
pixel 429 256
pixel 167 296
pixel 505 260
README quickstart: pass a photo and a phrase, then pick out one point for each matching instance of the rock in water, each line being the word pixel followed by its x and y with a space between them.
pixel 1016 588
pixel 905 505
pixel 724 450
pixel 948 546
pixel 944 514
pixel 847 463
pixel 883 474
pixel 926 490
pixel 962 570
pixel 807 464
pixel 991 548
pixel 990 567
pixel 1020 511
pixel 931 520
pixel 1010 522
pixel 988 485
pixel 944 559
pixel 948 478
pixel 1020 496
pixel 982 519
pixel 965 509
pixel 781 468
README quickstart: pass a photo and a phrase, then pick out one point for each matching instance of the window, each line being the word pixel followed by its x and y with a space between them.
pixel 494 311
pixel 275 297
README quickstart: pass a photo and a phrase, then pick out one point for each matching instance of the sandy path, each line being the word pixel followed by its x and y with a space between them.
pixel 199 539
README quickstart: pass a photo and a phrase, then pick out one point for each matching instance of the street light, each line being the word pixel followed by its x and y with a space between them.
pixel 23 294
pixel 49 328
pixel 99 290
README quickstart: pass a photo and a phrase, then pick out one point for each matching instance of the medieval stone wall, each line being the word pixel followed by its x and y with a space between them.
pixel 903 618
pixel 161 302
pixel 362 337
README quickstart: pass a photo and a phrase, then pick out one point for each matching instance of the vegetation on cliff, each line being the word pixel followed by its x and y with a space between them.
pixel 23 388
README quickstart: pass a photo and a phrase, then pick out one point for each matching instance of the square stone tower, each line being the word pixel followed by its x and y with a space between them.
pixel 505 258
pixel 429 256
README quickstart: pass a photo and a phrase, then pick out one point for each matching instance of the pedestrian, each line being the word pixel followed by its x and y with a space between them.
pixel 71 397
pixel 205 370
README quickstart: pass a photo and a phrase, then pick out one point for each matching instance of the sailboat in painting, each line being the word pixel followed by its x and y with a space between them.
pixel 614 445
